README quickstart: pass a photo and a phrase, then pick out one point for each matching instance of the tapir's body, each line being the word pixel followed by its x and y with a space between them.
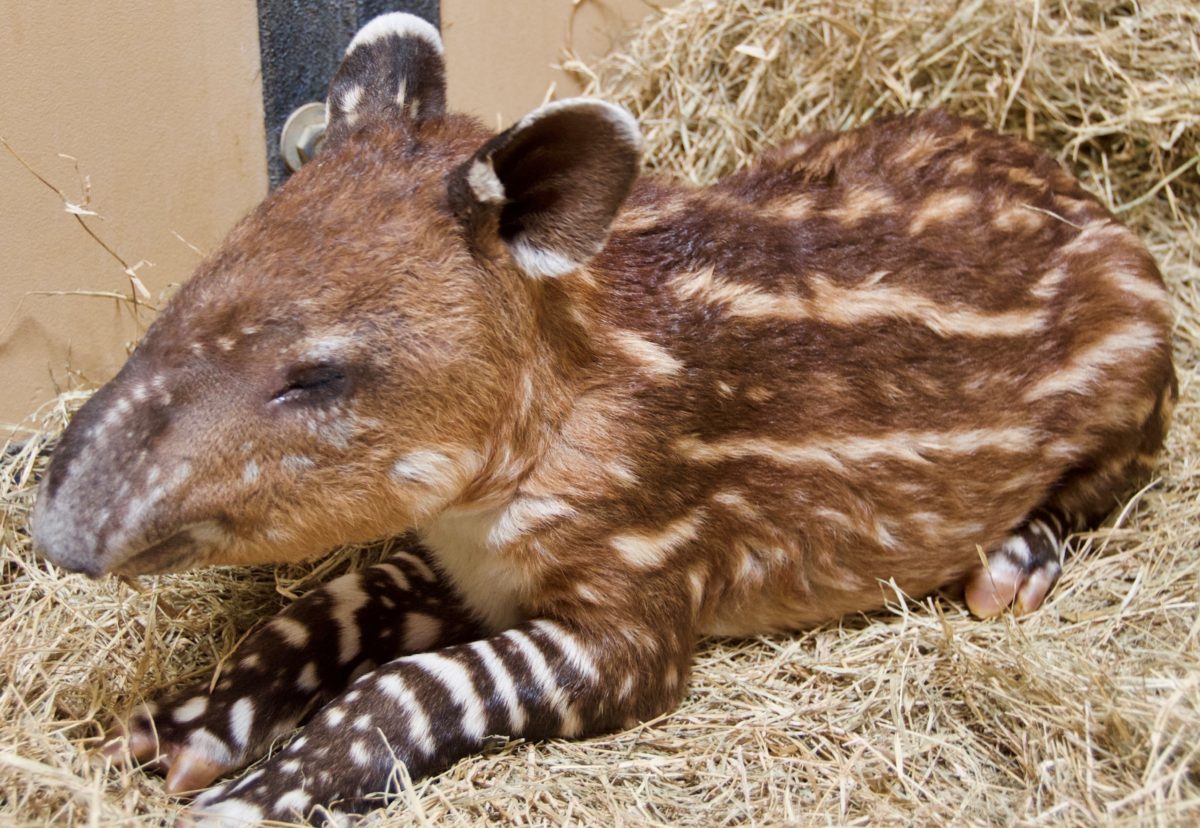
pixel 619 413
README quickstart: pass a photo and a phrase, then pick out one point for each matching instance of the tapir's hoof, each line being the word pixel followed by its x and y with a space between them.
pixel 191 758
pixel 1019 574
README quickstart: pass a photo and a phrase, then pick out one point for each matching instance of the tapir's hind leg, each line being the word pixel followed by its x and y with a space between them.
pixel 1022 571
pixel 1025 567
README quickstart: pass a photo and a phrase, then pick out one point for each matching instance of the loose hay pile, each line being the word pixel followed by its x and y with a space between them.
pixel 1088 711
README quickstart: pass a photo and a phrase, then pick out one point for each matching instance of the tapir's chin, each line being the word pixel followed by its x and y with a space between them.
pixel 191 546
pixel 176 553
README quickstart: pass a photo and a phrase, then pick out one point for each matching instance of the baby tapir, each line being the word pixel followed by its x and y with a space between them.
pixel 618 412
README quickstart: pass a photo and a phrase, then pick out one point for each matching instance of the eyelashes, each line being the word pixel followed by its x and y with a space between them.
pixel 313 383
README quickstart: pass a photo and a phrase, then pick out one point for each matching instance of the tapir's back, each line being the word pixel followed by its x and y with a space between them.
pixel 898 343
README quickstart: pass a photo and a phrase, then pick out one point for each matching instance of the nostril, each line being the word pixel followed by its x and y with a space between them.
pixel 59 541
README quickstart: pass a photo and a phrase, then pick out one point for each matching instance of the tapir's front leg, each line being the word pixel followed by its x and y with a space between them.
pixel 541 679
pixel 305 655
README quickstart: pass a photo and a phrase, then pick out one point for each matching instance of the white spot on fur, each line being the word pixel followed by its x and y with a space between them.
pixel 418 722
pixel 363 722
pixel 884 535
pixel 209 746
pixel 1086 365
pixel 1049 283
pixel 294 801
pixel 246 781
pixel 527 392
pixel 539 262
pixel 291 631
pixel 428 467
pixel 651 356
pixel 191 709
pixel 308 680
pixel 546 680
pixel 400 25
pixel 416 563
pixel 587 593
pixel 1017 549
pixel 398 577
pixel 867 302
pixel 297 463
pixel 232 813
pixel 457 680
pixel 503 683
pixel 737 502
pixel 484 183
pixel 421 631
pixel 334 716
pixel 908 446
pixel 862 202
pixel 571 648
pixel 350 100
pixel 941 207
pixel 523 514
pixel 649 549
pixel 348 597
pixel 250 472
pixel 620 471
pixel 1140 285
pixel 750 569
pixel 626 687
pixel 241 719
pixel 359 753
pixel 696 587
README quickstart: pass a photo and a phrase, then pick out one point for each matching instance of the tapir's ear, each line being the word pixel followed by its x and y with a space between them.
pixel 552 184
pixel 394 64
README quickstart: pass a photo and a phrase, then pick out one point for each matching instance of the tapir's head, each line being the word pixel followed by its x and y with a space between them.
pixel 337 370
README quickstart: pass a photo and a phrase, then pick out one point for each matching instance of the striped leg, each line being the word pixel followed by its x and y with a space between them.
pixel 1023 570
pixel 305 655
pixel 542 679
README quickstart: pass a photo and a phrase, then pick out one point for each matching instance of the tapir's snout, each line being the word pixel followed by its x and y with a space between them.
pixel 58 545
pixel 113 497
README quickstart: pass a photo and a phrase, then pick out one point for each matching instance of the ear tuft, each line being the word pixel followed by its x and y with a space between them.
pixel 396 24
pixel 485 186
pixel 617 117
pixel 551 185
pixel 393 65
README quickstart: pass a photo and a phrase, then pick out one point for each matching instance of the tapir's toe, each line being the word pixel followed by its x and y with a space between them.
pixel 190 757
pixel 1018 574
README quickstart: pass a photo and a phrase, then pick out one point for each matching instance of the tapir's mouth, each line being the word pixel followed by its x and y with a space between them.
pixel 175 553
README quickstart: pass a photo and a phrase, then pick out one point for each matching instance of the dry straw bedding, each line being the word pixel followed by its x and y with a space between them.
pixel 1087 712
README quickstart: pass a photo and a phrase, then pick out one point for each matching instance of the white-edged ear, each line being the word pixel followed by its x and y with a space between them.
pixel 552 183
pixel 394 64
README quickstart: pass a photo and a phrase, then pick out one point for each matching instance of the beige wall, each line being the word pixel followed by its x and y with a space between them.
pixel 161 104
pixel 500 55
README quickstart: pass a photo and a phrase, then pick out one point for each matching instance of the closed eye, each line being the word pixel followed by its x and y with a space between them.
pixel 313 383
